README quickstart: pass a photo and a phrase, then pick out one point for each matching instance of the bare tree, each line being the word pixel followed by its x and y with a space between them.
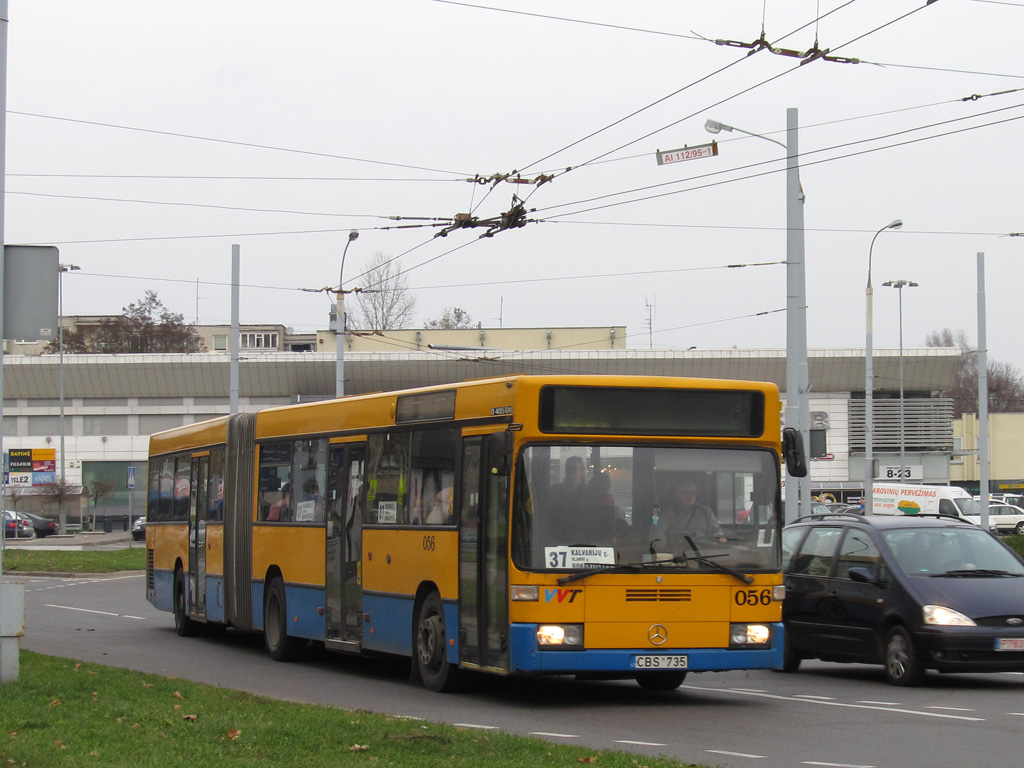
pixel 384 301
pixel 60 492
pixel 452 318
pixel 98 491
pixel 1005 381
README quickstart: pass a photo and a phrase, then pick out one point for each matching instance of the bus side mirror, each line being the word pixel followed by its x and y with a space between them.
pixel 499 454
pixel 793 452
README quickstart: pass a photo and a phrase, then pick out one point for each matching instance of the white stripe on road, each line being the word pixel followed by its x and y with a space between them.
pixel 474 725
pixel 640 743
pixel 953 709
pixel 881 703
pixel 554 735
pixel 101 613
pixel 917 712
pixel 735 754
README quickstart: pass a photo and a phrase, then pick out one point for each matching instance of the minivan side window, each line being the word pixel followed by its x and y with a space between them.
pixel 818 552
pixel 856 551
pixel 947 507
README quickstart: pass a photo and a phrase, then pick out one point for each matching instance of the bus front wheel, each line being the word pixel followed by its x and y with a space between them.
pixel 183 625
pixel 431 649
pixel 280 647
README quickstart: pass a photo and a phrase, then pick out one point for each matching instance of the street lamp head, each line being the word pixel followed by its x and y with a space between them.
pixel 69 267
pixel 713 126
pixel 898 224
pixel 353 235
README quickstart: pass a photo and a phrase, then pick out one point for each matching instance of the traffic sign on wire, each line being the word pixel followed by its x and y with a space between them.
pixel 687 153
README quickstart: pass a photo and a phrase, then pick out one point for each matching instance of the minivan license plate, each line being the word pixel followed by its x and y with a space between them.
pixel 1010 643
pixel 678 661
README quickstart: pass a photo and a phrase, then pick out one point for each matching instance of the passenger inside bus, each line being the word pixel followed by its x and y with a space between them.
pixel 281 509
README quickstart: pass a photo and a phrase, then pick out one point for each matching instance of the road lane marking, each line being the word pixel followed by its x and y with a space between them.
pixel 814 698
pixel 735 754
pixel 101 613
pixel 474 725
pixel 1020 714
pixel 919 713
pixel 881 703
pixel 640 743
pixel 554 735
pixel 953 709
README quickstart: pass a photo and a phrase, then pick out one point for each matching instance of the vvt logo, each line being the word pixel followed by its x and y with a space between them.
pixel 561 594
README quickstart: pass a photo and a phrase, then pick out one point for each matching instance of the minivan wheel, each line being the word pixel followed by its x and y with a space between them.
pixel 1019 529
pixel 901 664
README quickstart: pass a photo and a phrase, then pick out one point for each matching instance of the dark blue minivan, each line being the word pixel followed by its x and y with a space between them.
pixel 911 592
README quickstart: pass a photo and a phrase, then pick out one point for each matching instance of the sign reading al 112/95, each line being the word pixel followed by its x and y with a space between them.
pixel 687 153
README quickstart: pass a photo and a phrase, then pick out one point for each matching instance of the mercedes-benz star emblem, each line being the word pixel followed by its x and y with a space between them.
pixel 657 634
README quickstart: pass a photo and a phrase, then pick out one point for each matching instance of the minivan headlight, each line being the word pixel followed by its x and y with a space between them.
pixel 940 615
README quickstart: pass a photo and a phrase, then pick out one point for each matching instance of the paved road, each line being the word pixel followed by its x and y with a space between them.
pixel 829 715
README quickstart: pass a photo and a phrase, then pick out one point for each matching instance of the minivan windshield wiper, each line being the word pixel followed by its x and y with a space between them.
pixel 962 572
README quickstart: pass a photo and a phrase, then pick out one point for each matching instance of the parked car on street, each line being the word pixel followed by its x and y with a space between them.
pixel 910 592
pixel 139 529
pixel 1002 518
pixel 17 526
pixel 43 526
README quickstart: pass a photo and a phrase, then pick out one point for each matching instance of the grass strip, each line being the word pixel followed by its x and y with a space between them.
pixel 66 713
pixel 84 561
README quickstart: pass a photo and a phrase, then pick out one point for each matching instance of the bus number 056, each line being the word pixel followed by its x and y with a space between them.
pixel 428 543
pixel 753 596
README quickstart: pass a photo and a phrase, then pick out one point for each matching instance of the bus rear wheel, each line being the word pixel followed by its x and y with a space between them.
pixel 280 647
pixel 431 651
pixel 660 681
pixel 183 625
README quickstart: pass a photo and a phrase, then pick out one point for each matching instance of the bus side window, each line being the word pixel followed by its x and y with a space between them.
pixel 387 497
pixel 275 482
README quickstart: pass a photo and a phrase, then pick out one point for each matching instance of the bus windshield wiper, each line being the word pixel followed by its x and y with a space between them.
pixel 703 560
pixel 619 568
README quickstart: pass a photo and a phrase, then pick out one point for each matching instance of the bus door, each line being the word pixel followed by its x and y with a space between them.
pixel 483 561
pixel 198 509
pixel 344 579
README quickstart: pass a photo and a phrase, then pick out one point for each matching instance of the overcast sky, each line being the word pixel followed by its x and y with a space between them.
pixel 144 138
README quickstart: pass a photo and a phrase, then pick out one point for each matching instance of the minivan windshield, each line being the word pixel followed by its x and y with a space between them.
pixel 968 506
pixel 596 507
pixel 956 551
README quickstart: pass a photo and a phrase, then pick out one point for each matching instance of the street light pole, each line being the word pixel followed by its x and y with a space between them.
pixel 62 268
pixel 797 372
pixel 869 382
pixel 899 285
pixel 340 324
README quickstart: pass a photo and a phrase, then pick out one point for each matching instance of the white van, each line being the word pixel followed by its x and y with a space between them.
pixel 924 499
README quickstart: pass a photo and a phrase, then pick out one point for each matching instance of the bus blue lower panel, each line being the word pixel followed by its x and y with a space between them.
pixel 526 656
pixel 215 598
pixel 305 607
pixel 163 590
pixel 389 626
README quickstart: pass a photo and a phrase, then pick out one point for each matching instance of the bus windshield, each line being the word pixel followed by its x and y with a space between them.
pixel 585 507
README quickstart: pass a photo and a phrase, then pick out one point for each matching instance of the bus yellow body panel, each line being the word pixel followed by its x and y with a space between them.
pixel 297 552
pixel 397 562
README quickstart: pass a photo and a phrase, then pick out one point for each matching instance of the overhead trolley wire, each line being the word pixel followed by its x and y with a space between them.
pixel 233 142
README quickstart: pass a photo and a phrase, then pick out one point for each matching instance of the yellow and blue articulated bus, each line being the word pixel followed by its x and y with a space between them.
pixel 602 526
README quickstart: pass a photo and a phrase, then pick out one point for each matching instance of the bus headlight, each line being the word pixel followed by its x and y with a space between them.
pixel 560 636
pixel 749 635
